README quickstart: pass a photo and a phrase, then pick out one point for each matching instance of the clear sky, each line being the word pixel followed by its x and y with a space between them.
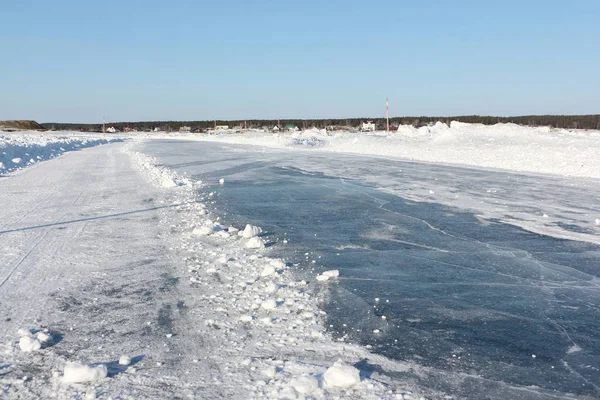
pixel 80 61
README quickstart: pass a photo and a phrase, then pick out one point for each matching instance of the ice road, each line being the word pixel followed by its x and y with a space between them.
pixel 435 266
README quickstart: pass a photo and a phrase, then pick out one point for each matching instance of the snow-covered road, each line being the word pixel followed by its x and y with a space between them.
pixel 83 255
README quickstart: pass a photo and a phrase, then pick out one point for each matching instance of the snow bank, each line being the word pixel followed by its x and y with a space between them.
pixel 500 146
pixel 19 150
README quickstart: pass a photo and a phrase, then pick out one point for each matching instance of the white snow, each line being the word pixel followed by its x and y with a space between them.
pixel 79 373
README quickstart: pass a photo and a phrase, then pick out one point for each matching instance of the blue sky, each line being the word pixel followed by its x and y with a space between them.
pixel 80 61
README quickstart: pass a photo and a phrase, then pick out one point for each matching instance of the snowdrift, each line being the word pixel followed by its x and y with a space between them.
pixel 501 146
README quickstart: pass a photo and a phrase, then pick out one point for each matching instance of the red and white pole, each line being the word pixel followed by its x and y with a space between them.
pixel 387 114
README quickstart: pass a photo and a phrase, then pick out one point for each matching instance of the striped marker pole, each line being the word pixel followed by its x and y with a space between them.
pixel 387 114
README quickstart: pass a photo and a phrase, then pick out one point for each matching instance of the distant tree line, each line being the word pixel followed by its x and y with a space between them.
pixel 556 121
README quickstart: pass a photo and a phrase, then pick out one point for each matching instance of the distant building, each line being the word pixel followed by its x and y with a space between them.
pixel 221 127
pixel 111 129
pixel 368 126
pixel 275 129
pixel 185 129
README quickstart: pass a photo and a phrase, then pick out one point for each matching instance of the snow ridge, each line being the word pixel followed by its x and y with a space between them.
pixel 22 150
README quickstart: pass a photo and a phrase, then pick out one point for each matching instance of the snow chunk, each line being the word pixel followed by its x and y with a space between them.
pixel 268 270
pixel 325 276
pixel 206 229
pixel 77 373
pixel 341 375
pixel 251 231
pixel 44 337
pixel 202 231
pixel 16 160
pixel 29 344
pixel 24 332
pixel 305 384
pixel 269 304
pixel 255 243
pixel 246 318
pixel 221 181
pixel 124 360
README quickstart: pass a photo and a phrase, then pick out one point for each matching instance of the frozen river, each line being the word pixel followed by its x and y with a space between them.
pixel 433 258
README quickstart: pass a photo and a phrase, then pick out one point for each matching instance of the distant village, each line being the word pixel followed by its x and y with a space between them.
pixel 367 126
pixel 292 125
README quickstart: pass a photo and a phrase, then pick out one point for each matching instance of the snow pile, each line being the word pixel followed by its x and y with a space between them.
pixel 30 341
pixel 500 146
pixel 264 320
pixel 19 150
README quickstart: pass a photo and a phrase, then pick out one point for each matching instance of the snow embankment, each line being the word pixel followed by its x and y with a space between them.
pixel 501 146
pixel 19 150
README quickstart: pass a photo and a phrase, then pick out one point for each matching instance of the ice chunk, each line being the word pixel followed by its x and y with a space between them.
pixel 251 231
pixel 221 181
pixel 255 243
pixel 77 373
pixel 28 344
pixel 341 375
